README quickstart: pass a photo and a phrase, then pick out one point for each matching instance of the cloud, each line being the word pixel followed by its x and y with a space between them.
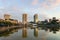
pixel 46 3
pixel 50 3
pixel 35 2
pixel 1 7
pixel 57 2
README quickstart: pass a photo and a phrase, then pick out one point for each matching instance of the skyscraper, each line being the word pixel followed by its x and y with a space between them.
pixel 35 18
pixel 24 19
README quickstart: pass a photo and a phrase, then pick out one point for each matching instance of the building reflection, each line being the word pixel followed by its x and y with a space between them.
pixel 36 32
pixel 24 32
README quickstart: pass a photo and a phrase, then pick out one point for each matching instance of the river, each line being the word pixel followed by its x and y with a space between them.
pixel 29 34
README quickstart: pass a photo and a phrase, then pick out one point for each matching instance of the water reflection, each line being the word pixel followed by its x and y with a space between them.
pixel 24 32
pixel 8 32
pixel 51 29
pixel 36 32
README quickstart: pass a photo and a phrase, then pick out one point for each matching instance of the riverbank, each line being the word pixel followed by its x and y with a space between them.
pixel 2 29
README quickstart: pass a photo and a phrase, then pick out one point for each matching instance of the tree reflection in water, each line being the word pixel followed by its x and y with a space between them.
pixel 24 31
pixel 8 32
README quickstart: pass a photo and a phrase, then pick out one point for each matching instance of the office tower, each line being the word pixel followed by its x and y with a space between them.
pixel 6 16
pixel 35 18
pixel 24 20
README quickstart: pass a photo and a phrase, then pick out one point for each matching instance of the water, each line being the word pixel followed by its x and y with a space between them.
pixel 30 34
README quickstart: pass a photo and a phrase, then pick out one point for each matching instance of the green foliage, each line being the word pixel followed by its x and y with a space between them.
pixel 5 23
pixel 54 22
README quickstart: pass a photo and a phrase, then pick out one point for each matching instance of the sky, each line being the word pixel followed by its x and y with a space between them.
pixel 44 8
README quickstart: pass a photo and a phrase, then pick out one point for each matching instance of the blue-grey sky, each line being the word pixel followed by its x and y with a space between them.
pixel 44 8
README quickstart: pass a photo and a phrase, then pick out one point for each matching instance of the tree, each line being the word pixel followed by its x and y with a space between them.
pixel 7 23
pixel 54 22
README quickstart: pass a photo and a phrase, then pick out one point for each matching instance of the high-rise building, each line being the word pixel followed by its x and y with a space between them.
pixel 35 18
pixel 6 16
pixel 24 18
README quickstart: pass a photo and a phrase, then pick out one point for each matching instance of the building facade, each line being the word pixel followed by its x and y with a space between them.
pixel 35 18
pixel 6 16
pixel 24 18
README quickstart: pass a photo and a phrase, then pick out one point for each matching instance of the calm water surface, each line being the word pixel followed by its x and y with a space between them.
pixel 30 34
